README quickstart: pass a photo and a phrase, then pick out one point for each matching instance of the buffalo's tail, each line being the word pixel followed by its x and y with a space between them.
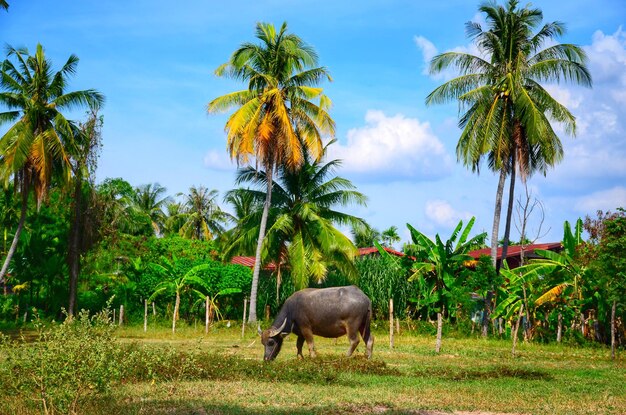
pixel 365 327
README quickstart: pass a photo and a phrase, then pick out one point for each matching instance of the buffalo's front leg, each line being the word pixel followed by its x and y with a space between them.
pixel 299 344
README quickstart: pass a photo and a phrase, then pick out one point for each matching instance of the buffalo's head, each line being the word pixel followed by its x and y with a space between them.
pixel 272 339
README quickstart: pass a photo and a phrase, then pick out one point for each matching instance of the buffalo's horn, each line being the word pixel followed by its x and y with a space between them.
pixel 274 331
pixel 258 330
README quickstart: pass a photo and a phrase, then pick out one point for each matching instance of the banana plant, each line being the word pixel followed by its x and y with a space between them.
pixel 439 264
pixel 568 272
pixel 177 284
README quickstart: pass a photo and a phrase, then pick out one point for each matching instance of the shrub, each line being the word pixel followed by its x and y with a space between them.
pixel 66 363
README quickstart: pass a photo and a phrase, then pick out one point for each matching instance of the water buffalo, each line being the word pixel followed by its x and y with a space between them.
pixel 326 312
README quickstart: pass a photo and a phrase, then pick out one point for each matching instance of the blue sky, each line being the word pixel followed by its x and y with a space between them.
pixel 154 62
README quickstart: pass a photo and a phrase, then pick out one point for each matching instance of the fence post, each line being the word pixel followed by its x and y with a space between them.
pixel 121 314
pixel 391 323
pixel 145 315
pixel 153 309
pixel 243 323
pixel 206 315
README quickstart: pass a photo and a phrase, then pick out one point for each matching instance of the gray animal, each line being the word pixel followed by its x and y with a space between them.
pixel 326 312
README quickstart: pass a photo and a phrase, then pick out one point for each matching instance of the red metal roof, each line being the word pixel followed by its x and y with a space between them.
pixel 374 250
pixel 248 261
pixel 515 250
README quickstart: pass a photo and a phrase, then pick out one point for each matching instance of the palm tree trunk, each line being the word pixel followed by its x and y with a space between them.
pixel 259 247
pixel 509 214
pixel 439 330
pixel 494 249
pixel 18 231
pixel 75 243
pixel 613 329
pixel 176 307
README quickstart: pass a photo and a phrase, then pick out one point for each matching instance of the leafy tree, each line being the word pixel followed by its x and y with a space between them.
pixel 4 5
pixel 116 210
pixel 507 114
pixel 84 156
pixel 365 236
pixel 35 146
pixel 276 116
pixel 202 216
pixel 608 263
pixel 439 264
pixel 302 220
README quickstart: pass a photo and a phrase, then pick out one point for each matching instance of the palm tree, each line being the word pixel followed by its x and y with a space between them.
pixel 174 217
pixel 4 5
pixel 365 236
pixel 35 147
pixel 390 236
pixel 302 219
pixel 203 218
pixel 441 263
pixel 275 117
pixel 150 199
pixel 506 112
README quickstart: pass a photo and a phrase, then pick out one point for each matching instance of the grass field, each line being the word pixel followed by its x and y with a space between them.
pixel 470 376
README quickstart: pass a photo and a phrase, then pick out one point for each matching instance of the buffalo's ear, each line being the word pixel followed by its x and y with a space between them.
pixel 258 330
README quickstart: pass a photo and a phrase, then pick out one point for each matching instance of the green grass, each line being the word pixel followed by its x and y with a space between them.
pixel 469 375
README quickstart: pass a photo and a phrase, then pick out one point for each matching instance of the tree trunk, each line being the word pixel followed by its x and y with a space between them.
pixel 559 328
pixel 613 329
pixel 145 315
pixel 174 317
pixel 18 231
pixel 509 214
pixel 74 245
pixel 496 218
pixel 514 334
pixel 494 249
pixel 252 318
pixel 439 329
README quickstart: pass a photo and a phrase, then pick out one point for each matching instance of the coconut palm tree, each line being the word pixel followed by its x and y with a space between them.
pixel 276 116
pixel 36 146
pixel 506 113
pixel 390 236
pixel 302 221
pixel 150 200
pixel 203 218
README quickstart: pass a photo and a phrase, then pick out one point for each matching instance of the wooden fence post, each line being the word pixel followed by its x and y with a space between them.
pixel 391 323
pixel 121 314
pixel 153 309
pixel 243 323
pixel 206 315
pixel 145 315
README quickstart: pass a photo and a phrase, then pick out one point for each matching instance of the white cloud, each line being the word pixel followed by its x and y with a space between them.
pixel 392 148
pixel 442 213
pixel 428 51
pixel 217 160
pixel 602 200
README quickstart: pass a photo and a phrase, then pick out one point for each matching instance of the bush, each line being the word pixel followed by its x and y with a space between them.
pixel 66 363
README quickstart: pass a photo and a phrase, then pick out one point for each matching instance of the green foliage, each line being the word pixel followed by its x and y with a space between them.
pixel 64 364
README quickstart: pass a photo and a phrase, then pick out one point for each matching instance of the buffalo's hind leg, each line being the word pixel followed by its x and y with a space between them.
pixel 353 338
